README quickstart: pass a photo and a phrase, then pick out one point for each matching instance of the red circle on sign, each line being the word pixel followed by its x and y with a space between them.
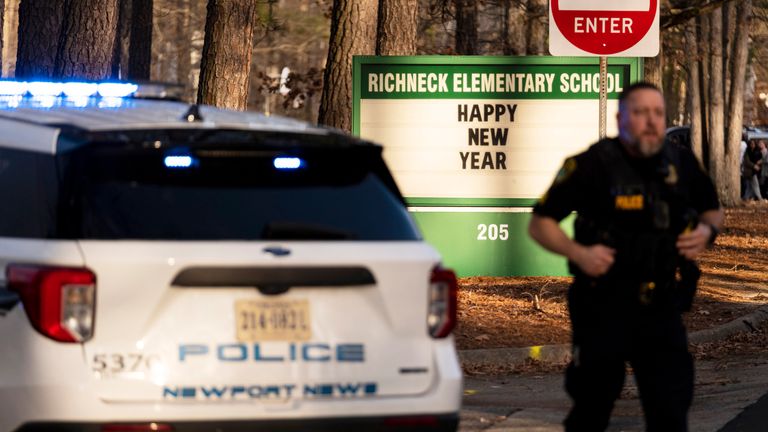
pixel 603 32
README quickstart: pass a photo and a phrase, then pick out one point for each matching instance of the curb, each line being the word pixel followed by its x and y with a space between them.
pixel 561 354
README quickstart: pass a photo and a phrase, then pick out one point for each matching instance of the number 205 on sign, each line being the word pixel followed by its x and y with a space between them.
pixel 493 232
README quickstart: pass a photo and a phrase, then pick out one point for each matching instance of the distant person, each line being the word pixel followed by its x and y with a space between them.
pixel 751 167
pixel 763 177
pixel 742 150
pixel 645 210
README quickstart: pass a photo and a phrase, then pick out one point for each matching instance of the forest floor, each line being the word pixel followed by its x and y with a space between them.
pixel 496 312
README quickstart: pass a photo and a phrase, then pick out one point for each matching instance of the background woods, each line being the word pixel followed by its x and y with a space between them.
pixel 274 55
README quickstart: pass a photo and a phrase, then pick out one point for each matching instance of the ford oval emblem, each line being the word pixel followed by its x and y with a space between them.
pixel 277 251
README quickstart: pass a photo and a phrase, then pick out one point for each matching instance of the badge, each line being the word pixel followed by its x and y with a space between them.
pixel 671 178
pixel 630 202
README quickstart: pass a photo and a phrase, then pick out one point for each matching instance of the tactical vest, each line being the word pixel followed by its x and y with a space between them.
pixel 649 211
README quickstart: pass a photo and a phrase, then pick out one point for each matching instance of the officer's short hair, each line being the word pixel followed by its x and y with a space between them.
pixel 640 85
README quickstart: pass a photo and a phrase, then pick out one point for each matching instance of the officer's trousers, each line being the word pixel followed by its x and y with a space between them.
pixel 608 333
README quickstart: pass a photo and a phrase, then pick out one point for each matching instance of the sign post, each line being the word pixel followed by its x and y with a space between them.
pixel 603 28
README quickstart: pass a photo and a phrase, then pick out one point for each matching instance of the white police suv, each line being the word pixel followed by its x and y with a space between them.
pixel 168 267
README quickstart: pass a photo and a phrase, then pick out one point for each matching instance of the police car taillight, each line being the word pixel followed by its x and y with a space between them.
pixel 443 290
pixel 59 301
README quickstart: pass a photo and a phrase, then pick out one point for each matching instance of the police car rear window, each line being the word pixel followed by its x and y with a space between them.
pixel 229 187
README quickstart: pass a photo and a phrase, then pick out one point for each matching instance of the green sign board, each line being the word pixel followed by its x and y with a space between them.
pixel 473 142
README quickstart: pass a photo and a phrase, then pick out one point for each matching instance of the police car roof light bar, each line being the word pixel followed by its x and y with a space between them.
pixel 72 89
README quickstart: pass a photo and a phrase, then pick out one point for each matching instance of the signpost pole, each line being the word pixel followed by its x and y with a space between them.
pixel 603 95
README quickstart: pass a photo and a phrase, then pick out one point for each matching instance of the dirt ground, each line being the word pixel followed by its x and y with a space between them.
pixel 497 312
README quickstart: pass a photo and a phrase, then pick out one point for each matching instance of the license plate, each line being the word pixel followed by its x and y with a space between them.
pixel 272 320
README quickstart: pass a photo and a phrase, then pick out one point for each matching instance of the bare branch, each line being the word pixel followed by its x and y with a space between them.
pixel 679 16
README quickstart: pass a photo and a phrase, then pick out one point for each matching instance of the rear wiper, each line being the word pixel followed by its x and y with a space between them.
pixel 8 299
pixel 303 231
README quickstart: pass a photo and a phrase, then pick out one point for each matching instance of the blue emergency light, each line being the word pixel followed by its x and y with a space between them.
pixel 178 161
pixel 287 163
pixel 72 89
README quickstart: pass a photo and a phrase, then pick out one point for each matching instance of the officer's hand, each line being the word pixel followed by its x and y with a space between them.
pixel 692 243
pixel 595 260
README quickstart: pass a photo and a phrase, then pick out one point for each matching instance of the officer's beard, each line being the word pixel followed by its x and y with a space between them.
pixel 643 146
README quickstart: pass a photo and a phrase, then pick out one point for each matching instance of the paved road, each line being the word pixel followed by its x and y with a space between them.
pixel 752 419
pixel 530 403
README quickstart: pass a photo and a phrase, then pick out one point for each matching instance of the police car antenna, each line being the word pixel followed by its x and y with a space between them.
pixel 193 114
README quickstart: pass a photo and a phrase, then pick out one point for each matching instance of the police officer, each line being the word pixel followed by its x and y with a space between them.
pixel 645 211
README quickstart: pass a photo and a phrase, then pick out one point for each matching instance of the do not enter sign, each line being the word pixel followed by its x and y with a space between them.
pixel 604 28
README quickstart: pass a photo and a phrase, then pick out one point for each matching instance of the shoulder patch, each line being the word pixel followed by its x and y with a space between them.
pixel 569 166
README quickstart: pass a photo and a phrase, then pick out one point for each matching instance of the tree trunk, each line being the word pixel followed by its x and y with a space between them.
pixel 731 191
pixel 729 31
pixel 87 40
pixel 40 26
pixel 184 47
pixel 693 94
pixel 750 112
pixel 513 28
pixel 226 62
pixel 704 79
pixel 10 38
pixel 140 51
pixel 2 16
pixel 466 26
pixel 122 40
pixel 398 21
pixel 653 69
pixel 537 28
pixel 717 167
pixel 353 25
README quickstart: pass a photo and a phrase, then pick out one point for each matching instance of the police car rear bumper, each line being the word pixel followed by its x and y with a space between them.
pixel 441 422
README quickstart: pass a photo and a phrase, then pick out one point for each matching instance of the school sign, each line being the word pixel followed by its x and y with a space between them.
pixel 473 142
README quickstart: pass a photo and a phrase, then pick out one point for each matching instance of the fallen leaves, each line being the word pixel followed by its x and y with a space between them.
pixel 496 312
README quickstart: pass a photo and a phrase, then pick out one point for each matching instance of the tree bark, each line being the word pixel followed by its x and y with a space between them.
pixel 750 104
pixel 537 28
pixel 704 79
pixel 653 68
pixel 122 40
pixel 2 16
pixel 353 25
pixel 717 168
pixel 729 31
pixel 10 37
pixel 731 194
pixel 513 28
pixel 40 26
pixel 184 47
pixel 398 21
pixel 87 40
pixel 466 26
pixel 693 95
pixel 140 51
pixel 226 62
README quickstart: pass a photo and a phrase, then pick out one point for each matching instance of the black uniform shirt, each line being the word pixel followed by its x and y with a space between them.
pixel 583 184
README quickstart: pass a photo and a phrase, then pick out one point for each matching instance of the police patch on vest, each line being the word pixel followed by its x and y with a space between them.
pixel 629 202
pixel 671 178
